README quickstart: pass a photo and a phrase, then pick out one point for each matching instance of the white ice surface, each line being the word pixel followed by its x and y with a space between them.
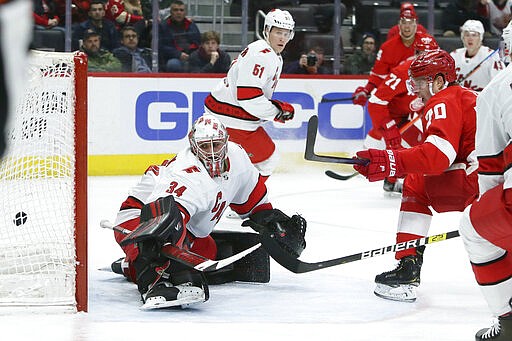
pixel 344 217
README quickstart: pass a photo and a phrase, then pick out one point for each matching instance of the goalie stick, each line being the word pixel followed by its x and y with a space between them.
pixel 309 153
pixel 186 257
pixel 297 266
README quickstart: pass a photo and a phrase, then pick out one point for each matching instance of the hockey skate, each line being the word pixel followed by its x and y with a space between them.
pixel 501 330
pixel 392 188
pixel 165 295
pixel 400 284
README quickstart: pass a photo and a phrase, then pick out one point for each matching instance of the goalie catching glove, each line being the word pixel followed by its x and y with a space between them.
pixel 288 232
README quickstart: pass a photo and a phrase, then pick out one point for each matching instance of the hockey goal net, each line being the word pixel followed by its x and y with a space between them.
pixel 43 186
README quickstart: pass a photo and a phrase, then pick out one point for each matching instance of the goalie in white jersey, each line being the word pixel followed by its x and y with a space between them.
pixel 181 201
pixel 486 226
pixel 242 100
pixel 473 71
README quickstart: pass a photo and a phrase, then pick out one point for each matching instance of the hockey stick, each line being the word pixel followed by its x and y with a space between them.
pixel 309 153
pixel 344 99
pixel 297 266
pixel 478 66
pixel 337 176
pixel 186 257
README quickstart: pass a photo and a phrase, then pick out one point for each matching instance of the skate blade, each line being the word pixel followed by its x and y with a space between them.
pixel 159 302
pixel 401 293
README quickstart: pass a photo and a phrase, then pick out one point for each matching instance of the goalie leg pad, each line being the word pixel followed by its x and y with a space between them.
pixel 288 232
pixel 255 267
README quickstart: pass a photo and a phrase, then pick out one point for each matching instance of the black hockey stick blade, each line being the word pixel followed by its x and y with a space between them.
pixel 309 153
pixel 297 266
pixel 337 176
pixel 344 99
pixel 187 257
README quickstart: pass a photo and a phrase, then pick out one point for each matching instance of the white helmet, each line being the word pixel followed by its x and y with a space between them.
pixel 472 26
pixel 507 38
pixel 209 142
pixel 278 18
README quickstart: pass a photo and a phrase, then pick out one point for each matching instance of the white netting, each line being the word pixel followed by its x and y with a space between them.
pixel 37 250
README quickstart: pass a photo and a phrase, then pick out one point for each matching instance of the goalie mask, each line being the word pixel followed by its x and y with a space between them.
pixel 208 141
pixel 280 19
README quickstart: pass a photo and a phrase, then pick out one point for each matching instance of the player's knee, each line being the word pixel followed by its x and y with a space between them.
pixel 205 247
pixel 266 167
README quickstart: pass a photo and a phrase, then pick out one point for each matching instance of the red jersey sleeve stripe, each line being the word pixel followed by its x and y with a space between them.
pixel 184 212
pixel 257 194
pixel 490 165
pixel 130 203
pixel 246 93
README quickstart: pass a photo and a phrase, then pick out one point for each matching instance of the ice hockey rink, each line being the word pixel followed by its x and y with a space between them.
pixel 344 217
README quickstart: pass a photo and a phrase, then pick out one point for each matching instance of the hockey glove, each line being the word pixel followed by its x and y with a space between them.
pixel 360 96
pixel 288 232
pixel 382 164
pixel 286 111
pixel 391 135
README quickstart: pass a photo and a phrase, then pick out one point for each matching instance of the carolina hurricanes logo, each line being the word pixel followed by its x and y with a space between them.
pixel 416 105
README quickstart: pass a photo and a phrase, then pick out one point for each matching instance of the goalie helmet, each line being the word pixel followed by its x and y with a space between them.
pixel 278 18
pixel 209 142
pixel 433 63
pixel 472 26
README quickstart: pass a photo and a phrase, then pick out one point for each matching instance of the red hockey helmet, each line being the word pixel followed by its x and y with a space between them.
pixel 433 63
pixel 425 43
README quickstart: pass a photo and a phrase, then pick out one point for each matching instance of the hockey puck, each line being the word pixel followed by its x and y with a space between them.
pixel 20 218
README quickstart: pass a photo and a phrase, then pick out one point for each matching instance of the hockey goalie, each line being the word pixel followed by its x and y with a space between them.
pixel 180 202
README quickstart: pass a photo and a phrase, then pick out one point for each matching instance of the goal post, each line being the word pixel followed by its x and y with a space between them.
pixel 43 184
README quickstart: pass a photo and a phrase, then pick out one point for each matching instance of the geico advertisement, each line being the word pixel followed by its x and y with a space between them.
pixel 138 115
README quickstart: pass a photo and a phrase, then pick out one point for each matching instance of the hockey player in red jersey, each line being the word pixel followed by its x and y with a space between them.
pixel 486 226
pixel 242 100
pixel 392 107
pixel 391 53
pixel 440 173
pixel 395 30
pixel 181 201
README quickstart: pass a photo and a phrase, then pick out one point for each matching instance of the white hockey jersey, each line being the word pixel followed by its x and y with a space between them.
pixel 200 198
pixel 481 77
pixel 494 131
pixel 241 100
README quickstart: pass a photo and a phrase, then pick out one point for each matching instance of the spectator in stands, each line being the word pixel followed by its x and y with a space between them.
pixel 310 63
pixel 391 53
pixel 45 15
pixel 457 13
pixel 99 60
pixel 209 58
pixel 97 22
pixel 468 57
pixel 393 31
pixel 79 10
pixel 498 12
pixel 178 38
pixel 129 12
pixel 132 57
pixel 361 61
